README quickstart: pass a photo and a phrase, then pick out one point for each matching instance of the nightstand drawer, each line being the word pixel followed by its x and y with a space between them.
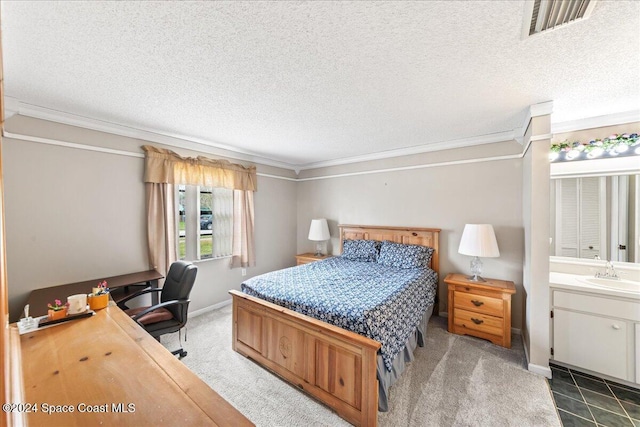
pixel 478 322
pixel 479 303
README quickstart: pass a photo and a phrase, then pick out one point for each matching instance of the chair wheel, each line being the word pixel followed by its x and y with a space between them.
pixel 183 354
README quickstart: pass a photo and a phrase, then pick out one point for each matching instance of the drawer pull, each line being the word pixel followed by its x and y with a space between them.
pixel 616 327
pixel 477 321
pixel 477 303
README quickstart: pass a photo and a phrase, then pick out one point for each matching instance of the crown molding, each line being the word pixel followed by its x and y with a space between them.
pixel 11 106
pixel 418 149
pixel 596 122
pixel 414 167
pixel 541 109
pixel 14 106
pixel 535 110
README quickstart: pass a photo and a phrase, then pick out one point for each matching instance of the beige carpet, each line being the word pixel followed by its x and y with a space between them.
pixel 454 381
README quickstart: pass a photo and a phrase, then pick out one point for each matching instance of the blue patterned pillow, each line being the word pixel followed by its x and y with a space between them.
pixel 361 250
pixel 400 255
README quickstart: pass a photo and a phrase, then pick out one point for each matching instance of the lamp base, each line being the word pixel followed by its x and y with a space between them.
pixel 476 269
pixel 318 249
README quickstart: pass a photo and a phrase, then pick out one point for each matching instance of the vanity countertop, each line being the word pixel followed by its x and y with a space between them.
pixel 577 282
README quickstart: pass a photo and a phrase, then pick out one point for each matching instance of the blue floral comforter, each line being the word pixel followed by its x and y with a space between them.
pixel 380 302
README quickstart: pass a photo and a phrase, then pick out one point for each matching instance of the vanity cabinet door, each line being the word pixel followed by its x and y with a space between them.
pixel 637 355
pixel 599 344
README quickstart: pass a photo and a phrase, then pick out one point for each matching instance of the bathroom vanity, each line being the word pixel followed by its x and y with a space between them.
pixel 595 324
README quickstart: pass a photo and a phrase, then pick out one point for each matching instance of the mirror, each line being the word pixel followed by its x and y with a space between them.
pixel 596 216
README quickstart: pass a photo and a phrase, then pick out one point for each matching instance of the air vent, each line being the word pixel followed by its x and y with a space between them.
pixel 551 14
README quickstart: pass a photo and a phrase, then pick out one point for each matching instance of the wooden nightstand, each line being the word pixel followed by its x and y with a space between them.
pixel 480 309
pixel 309 257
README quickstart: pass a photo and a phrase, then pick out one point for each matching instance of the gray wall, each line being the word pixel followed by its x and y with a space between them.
pixel 440 196
pixel 74 215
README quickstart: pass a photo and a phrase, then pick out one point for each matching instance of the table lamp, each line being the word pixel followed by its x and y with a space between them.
pixel 478 240
pixel 319 232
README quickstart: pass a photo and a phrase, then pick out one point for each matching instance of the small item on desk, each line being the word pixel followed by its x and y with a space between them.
pixel 46 321
pixel 77 303
pixel 27 322
pixel 101 289
pixel 30 324
pixel 57 310
pixel 100 297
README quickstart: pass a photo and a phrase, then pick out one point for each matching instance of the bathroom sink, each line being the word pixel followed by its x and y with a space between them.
pixel 621 284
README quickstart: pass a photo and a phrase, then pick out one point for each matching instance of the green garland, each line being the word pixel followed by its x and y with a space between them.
pixel 605 144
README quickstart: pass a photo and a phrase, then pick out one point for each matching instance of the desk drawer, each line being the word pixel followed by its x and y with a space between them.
pixel 478 322
pixel 479 303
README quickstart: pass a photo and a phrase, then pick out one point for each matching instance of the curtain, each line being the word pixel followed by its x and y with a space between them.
pixel 243 254
pixel 166 166
pixel 161 225
pixel 163 169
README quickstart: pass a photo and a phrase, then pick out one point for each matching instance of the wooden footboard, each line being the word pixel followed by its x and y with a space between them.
pixel 333 365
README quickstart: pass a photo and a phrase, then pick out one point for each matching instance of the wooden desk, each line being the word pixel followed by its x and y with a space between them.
pixel 39 298
pixel 107 360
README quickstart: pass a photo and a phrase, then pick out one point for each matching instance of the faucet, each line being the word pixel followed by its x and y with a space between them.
pixel 609 272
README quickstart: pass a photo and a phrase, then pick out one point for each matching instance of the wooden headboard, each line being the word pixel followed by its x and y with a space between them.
pixel 408 235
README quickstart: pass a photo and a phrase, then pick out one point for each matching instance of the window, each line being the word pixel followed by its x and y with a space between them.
pixel 205 222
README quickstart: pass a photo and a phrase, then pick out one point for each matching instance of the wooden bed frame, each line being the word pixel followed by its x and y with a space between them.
pixel 333 365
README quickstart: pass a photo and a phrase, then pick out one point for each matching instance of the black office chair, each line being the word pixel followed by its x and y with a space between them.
pixel 171 314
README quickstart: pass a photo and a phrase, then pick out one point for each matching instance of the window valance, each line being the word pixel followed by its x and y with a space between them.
pixel 165 166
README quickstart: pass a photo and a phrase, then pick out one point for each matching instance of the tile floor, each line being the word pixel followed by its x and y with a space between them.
pixel 585 400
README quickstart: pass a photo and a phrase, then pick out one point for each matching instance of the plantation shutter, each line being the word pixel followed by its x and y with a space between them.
pixel 590 220
pixel 580 218
pixel 568 224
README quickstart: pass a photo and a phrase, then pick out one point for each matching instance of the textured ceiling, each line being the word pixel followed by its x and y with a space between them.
pixel 305 82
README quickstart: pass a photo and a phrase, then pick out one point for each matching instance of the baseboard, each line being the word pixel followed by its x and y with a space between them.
pixel 525 345
pixel 537 369
pixel 210 308
pixel 532 367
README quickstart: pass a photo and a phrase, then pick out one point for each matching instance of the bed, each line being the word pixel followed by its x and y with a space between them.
pixel 325 329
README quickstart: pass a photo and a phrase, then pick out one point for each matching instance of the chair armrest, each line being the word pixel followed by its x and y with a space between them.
pixel 157 306
pixel 122 302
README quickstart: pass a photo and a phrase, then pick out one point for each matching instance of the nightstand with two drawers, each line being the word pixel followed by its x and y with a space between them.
pixel 480 309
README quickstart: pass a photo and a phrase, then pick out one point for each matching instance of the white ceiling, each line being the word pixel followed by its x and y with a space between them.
pixel 309 82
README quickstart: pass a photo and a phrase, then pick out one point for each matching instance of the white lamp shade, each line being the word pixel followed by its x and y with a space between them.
pixel 479 240
pixel 319 230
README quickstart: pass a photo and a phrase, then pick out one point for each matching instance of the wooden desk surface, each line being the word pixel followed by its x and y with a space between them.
pixel 107 360
pixel 39 298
